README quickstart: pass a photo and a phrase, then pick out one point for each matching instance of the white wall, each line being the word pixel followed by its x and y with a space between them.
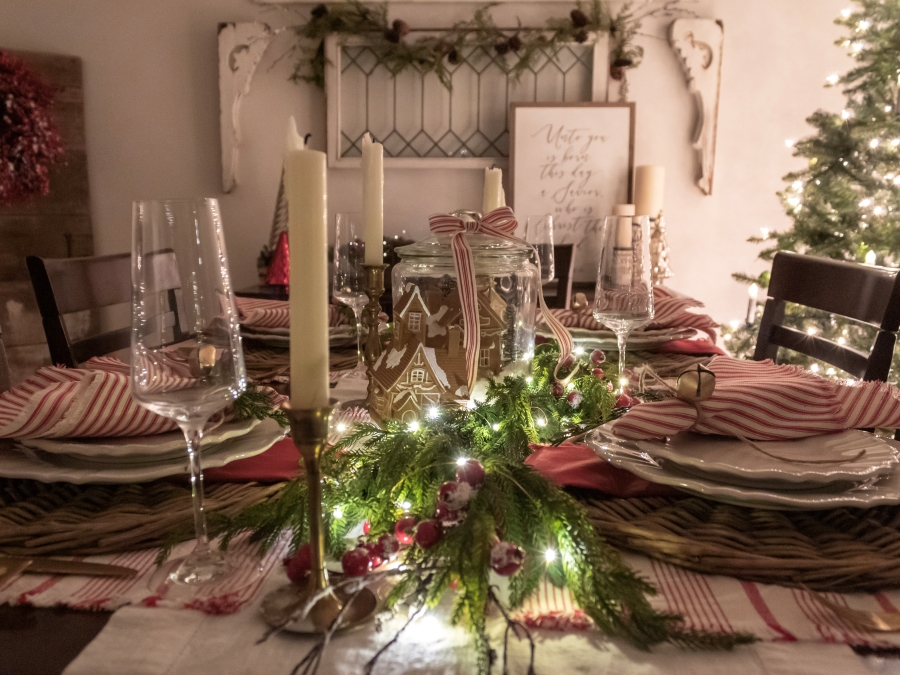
pixel 150 76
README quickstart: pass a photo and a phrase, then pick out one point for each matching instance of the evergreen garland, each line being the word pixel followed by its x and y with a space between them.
pixel 518 49
pixel 846 203
pixel 380 474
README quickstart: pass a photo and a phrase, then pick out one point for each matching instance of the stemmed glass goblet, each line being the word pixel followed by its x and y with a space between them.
pixel 186 357
pixel 348 283
pixel 623 299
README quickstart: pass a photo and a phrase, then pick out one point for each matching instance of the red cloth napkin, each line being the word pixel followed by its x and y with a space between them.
pixel 761 401
pixel 279 463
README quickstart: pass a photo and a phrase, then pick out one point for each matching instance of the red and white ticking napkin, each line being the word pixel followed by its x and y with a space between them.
pixel 670 311
pixel 76 402
pixel 761 401
pixel 256 313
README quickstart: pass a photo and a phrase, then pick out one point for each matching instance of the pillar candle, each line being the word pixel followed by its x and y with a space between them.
pixel 624 232
pixel 493 187
pixel 373 200
pixel 623 210
pixel 305 183
pixel 649 187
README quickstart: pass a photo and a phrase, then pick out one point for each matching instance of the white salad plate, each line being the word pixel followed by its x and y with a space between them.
pixel 21 462
pixel 732 460
pixel 158 445
pixel 883 490
pixel 606 339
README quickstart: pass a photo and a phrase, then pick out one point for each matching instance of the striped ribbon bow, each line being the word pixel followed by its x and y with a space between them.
pixel 500 223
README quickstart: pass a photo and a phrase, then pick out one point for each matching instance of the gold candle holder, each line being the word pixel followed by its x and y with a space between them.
pixel 309 429
pixel 374 289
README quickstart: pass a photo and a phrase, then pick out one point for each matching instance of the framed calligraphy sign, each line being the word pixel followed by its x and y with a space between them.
pixel 573 161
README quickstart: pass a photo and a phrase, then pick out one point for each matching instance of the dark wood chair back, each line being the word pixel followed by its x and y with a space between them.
pixel 66 285
pixel 564 266
pixel 5 382
pixel 864 293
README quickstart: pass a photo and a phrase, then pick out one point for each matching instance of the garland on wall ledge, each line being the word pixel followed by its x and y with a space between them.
pixel 29 139
pixel 450 498
pixel 518 48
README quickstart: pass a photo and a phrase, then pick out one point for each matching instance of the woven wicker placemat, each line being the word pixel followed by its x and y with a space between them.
pixel 837 550
pixel 61 518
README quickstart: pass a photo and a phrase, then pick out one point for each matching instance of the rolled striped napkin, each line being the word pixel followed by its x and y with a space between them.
pixel 256 313
pixel 765 402
pixel 671 311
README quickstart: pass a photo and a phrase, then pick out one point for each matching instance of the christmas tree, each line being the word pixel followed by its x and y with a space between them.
pixel 846 203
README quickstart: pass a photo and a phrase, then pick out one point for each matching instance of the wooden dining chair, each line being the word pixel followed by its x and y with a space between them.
pixel 5 380
pixel 864 293
pixel 63 286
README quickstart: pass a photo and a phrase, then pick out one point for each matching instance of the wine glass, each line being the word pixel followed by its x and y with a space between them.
pixel 539 233
pixel 186 357
pixel 348 284
pixel 623 299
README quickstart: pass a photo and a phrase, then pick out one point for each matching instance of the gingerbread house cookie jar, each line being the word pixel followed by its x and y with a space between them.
pixel 431 358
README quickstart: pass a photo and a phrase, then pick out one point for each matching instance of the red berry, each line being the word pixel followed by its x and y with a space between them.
pixel 558 389
pixel 375 557
pixel 366 527
pixel 404 529
pixel 429 533
pixel 455 495
pixel 598 373
pixel 506 558
pixel 447 516
pixel 299 565
pixel 598 357
pixel 356 562
pixel 575 398
pixel 387 546
pixel 623 401
pixel 471 472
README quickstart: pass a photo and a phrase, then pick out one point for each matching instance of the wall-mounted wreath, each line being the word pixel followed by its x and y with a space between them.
pixel 29 138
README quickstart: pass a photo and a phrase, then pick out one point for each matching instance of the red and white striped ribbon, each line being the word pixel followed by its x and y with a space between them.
pixel 500 223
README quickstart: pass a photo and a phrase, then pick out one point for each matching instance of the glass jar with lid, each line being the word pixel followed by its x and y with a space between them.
pixel 425 363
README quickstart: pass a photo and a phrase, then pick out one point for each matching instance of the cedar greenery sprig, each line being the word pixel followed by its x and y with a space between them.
pixel 516 50
pixel 380 474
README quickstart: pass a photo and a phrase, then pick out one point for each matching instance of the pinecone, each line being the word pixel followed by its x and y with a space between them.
pixel 579 19
pixel 397 31
pixel 617 73
pixel 581 36
pixel 502 47
pixel 623 62
pixel 453 56
pixel 319 11
pixel 515 43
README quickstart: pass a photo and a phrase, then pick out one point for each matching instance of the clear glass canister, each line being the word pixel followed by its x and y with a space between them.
pixel 425 362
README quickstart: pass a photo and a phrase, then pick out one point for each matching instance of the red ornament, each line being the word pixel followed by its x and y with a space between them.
pixel 404 529
pixel 29 138
pixel 356 562
pixel 455 495
pixel 506 558
pixel 429 533
pixel 298 566
pixel 279 273
pixel 387 546
pixel 447 516
pixel 623 401
pixel 598 357
pixel 575 398
pixel 471 472
pixel 558 389
pixel 375 557
pixel 598 373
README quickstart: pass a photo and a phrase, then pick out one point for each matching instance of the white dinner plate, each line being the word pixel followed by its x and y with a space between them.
pixel 159 445
pixel 21 462
pixel 732 460
pixel 639 339
pixel 883 490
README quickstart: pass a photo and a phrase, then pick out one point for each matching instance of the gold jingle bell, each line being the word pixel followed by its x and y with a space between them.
pixel 696 384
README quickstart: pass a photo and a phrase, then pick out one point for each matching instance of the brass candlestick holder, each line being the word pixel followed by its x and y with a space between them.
pixel 374 289
pixel 309 429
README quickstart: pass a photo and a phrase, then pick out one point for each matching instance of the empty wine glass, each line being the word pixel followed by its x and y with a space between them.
pixel 623 299
pixel 186 357
pixel 348 285
pixel 539 233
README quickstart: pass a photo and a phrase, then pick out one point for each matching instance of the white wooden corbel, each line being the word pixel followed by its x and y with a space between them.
pixel 698 43
pixel 241 48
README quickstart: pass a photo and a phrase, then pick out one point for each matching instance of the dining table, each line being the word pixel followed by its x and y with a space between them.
pixel 45 629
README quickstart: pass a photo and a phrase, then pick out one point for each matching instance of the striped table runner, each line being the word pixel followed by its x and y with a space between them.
pixel 763 401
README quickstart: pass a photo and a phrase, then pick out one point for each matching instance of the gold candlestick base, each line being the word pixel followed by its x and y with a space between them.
pixel 374 289
pixel 309 429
